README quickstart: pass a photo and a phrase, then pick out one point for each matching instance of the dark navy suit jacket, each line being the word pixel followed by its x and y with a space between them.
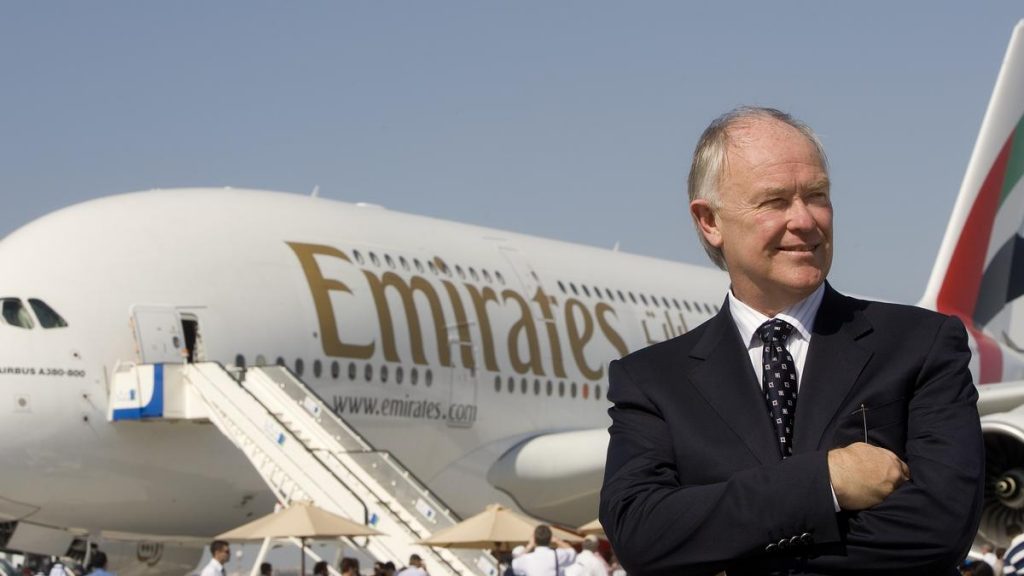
pixel 694 482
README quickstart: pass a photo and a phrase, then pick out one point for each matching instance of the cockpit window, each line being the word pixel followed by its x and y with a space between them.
pixel 48 317
pixel 15 313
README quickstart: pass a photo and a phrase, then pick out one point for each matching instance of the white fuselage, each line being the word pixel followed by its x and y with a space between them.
pixel 508 336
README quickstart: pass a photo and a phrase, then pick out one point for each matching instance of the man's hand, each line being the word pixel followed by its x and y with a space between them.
pixel 863 475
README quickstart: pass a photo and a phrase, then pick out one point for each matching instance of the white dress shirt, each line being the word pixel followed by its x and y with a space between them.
pixel 213 568
pixel 800 316
pixel 544 561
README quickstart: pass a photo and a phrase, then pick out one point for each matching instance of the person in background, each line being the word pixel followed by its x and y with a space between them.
pixel 1013 559
pixel 266 569
pixel 220 552
pixel 540 559
pixel 415 567
pixel 98 562
pixel 320 568
pixel 349 566
pixel 589 561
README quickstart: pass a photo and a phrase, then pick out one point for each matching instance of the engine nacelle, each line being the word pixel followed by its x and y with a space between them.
pixel 1004 476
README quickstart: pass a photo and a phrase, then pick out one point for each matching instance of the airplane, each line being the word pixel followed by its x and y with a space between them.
pixel 477 357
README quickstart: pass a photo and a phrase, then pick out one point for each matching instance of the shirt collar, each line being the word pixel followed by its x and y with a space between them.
pixel 800 315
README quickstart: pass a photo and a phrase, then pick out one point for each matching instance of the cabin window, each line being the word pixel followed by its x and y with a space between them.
pixel 561 389
pixel 632 298
pixel 15 313
pixel 561 286
pixel 708 308
pixel 676 303
pixel 414 376
pixel 48 318
pixel 497 383
pixel 597 292
pixel 622 298
pixel 280 361
pixel 501 279
pixel 358 257
pixel 523 386
pixel 335 370
pixel 419 267
pixel 399 373
pixel 597 391
pixel 686 303
pixel 404 263
pixel 611 296
pixel 585 391
pixel 261 360
pixel 536 387
pixel 511 384
pixel 460 272
pixel 585 291
pixel 717 309
pixel 351 370
pixel 643 299
pixel 318 368
pixel 374 259
pixel 428 378
pixel 473 275
pixel 487 275
pixel 368 372
pixel 654 299
pixel 572 286
pixel 299 366
pixel 240 361
pixel 549 388
pixel 433 268
pixel 384 374
pixel 389 261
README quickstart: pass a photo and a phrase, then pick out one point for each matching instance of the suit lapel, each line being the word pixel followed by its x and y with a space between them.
pixel 726 380
pixel 834 362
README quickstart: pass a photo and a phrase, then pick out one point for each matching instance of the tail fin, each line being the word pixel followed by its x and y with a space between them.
pixel 979 272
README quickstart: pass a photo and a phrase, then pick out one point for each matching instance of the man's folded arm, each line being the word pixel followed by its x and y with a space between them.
pixel 929 522
pixel 658 526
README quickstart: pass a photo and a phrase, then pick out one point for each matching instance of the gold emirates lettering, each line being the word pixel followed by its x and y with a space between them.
pixel 523 341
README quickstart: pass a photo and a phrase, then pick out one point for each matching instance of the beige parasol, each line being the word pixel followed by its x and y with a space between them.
pixel 496 528
pixel 301 520
pixel 593 527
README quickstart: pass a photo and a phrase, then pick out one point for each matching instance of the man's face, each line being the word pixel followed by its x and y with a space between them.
pixel 223 555
pixel 774 222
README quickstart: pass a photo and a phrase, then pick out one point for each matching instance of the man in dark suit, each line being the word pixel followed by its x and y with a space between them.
pixel 799 431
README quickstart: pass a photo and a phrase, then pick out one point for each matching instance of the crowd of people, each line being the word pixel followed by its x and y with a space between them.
pixel 544 555
pixel 998 562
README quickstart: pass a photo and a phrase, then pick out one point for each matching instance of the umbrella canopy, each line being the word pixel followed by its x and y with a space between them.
pixel 300 520
pixel 593 527
pixel 496 527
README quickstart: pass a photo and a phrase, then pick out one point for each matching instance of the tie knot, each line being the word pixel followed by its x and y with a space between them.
pixel 775 330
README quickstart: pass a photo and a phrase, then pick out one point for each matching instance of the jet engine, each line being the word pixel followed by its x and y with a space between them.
pixel 1003 506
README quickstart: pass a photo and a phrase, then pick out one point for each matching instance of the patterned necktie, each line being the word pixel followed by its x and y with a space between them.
pixel 779 380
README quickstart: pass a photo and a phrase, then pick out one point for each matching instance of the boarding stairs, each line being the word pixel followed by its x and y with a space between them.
pixel 303 451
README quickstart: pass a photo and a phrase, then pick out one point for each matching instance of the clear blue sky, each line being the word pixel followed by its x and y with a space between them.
pixel 571 120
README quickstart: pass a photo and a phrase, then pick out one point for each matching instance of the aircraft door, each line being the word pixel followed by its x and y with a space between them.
pixel 461 409
pixel 159 336
pixel 527 277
